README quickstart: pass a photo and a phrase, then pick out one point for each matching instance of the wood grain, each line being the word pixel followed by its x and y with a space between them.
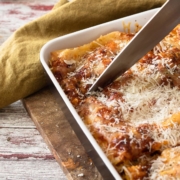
pixel 15 14
pixel 59 136
pixel 29 170
pixel 22 148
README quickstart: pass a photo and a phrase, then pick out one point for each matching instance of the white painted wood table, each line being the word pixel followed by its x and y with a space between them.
pixel 23 153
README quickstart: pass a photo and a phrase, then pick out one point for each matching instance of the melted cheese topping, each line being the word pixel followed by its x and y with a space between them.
pixel 136 118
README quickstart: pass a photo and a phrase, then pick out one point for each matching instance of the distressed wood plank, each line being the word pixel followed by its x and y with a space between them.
pixel 16 120
pixel 22 149
pixel 15 14
pixel 15 116
pixel 22 144
pixel 15 107
pixel 35 170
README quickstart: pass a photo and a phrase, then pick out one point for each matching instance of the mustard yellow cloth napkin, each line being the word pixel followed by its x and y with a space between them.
pixel 21 72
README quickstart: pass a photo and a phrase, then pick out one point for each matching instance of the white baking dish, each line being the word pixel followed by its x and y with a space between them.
pixel 80 38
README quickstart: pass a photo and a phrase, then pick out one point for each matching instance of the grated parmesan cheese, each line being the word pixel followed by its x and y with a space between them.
pixel 132 118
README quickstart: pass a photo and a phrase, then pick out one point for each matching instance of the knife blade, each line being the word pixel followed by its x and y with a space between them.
pixel 164 20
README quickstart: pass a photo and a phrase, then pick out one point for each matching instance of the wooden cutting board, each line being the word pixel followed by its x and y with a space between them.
pixel 59 136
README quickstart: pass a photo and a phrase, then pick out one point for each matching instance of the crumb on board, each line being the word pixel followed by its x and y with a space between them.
pixel 80 175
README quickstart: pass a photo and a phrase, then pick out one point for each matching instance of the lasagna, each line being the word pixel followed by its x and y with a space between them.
pixel 136 118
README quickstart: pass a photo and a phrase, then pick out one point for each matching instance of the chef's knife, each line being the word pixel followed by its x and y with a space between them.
pixel 149 36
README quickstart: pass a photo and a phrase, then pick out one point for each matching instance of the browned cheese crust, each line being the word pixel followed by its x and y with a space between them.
pixel 135 119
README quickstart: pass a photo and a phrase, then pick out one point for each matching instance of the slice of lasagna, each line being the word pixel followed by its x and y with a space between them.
pixel 135 119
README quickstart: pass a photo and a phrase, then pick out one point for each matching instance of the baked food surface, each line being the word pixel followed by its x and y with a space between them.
pixel 135 119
